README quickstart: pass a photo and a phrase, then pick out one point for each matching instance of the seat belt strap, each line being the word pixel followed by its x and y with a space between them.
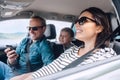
pixel 78 61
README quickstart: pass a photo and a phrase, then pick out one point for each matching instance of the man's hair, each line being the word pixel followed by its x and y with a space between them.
pixel 42 20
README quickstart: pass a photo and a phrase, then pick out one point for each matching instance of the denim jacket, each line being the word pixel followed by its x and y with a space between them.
pixel 39 55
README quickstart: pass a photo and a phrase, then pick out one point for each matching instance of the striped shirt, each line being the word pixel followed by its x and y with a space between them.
pixel 68 57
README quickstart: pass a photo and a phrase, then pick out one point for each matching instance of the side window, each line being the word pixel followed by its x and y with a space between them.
pixel 73 28
pixel 59 25
pixel 12 31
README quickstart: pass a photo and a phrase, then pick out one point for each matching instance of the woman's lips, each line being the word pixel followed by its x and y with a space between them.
pixel 79 31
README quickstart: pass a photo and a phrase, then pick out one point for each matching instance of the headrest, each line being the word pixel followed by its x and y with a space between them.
pixel 113 21
pixel 50 31
pixel 114 24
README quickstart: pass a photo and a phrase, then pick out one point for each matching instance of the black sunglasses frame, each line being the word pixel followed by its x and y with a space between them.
pixel 35 28
pixel 83 20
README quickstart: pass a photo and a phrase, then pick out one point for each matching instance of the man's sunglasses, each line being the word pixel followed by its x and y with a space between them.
pixel 83 20
pixel 35 28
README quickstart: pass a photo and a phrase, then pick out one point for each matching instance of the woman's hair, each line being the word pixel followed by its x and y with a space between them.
pixel 68 30
pixel 101 18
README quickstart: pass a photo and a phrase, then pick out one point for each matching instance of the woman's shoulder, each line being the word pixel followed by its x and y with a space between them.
pixel 100 54
pixel 108 52
pixel 107 49
pixel 73 48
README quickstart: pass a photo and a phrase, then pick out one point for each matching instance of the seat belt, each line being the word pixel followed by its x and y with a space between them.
pixel 81 59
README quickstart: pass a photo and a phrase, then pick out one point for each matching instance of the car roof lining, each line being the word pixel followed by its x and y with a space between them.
pixel 66 10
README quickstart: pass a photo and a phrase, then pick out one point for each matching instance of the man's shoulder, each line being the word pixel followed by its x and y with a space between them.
pixel 44 41
pixel 24 41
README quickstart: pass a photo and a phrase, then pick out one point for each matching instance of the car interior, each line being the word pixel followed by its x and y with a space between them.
pixel 66 11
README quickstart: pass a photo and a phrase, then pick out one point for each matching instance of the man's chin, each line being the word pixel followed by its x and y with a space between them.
pixel 32 38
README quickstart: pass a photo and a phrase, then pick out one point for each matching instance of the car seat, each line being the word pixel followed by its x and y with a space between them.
pixel 115 44
pixel 50 34
pixel 50 31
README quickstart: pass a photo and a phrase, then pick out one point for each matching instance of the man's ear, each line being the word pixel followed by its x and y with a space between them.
pixel 44 28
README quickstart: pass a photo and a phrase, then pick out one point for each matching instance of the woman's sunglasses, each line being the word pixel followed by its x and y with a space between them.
pixel 83 20
pixel 35 28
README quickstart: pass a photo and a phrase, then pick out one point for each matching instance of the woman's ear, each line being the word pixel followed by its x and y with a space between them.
pixel 99 29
